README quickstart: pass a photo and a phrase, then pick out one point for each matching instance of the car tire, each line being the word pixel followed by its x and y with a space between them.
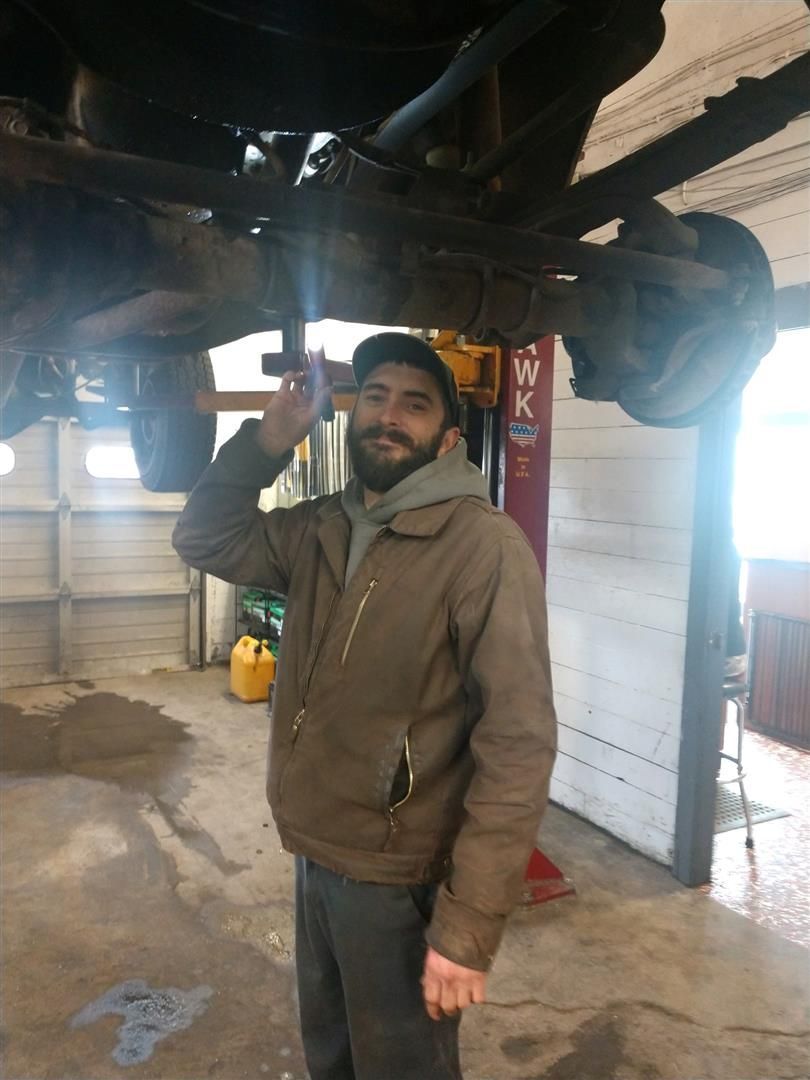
pixel 173 446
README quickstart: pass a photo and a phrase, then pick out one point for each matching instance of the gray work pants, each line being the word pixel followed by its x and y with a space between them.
pixel 360 949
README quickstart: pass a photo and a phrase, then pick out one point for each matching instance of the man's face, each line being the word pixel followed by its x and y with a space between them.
pixel 398 425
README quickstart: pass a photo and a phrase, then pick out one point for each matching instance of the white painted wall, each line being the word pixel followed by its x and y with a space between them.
pixel 620 533
pixel 621 494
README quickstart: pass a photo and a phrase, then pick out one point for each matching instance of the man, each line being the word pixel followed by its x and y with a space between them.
pixel 413 728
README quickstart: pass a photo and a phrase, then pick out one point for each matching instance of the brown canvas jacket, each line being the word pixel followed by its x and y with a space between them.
pixel 413 730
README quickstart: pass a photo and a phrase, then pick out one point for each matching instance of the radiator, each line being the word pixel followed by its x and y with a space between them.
pixel 780 677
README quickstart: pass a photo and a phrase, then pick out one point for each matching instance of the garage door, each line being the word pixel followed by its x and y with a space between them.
pixel 89 582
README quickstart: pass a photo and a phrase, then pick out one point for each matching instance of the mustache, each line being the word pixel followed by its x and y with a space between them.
pixel 375 431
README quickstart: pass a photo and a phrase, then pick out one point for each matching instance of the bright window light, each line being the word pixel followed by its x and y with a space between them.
pixel 111 463
pixel 7 459
pixel 771 505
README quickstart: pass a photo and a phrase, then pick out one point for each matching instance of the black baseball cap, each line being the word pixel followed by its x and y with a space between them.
pixel 393 347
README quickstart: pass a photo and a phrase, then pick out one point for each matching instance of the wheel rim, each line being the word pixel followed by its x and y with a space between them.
pixel 689 351
pixel 715 356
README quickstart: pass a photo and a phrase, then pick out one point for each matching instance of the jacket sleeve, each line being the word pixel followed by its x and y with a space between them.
pixel 221 530
pixel 498 617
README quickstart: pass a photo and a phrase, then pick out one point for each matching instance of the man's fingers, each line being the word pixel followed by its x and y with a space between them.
pixel 449 987
pixel 432 992
pixel 288 378
pixel 449 999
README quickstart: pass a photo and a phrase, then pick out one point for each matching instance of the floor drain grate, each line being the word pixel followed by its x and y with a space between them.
pixel 729 813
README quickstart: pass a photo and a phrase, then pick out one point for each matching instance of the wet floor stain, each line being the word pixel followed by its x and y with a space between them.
pixel 100 735
pixel 200 840
pixel 115 739
pixel 598 1052
pixel 520 1047
pixel 149 1015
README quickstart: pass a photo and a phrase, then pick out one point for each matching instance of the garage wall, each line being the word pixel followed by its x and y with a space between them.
pixel 620 533
pixel 89 583
pixel 621 494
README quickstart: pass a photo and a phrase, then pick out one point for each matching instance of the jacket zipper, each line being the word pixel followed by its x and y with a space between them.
pixel 299 717
pixel 392 819
pixel 372 585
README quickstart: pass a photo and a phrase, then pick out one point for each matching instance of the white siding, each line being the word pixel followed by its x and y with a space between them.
pixel 620 533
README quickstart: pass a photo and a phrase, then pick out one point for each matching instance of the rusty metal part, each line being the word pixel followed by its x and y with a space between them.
pixel 150 312
pixel 293 274
pixel 571 104
pixel 62 255
pixel 673 358
pixel 121 174
pixel 19 116
pixel 754 110
pixel 479 121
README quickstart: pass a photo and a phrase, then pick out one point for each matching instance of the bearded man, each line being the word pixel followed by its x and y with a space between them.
pixel 413 730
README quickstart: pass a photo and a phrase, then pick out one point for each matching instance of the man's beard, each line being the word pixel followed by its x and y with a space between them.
pixel 379 472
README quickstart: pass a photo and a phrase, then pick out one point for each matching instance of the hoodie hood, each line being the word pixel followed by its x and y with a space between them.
pixel 448 477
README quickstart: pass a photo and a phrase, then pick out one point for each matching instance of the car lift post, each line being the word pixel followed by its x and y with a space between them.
pixel 524 474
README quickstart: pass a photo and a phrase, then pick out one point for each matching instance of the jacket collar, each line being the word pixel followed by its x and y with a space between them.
pixel 334 531
pixel 426 520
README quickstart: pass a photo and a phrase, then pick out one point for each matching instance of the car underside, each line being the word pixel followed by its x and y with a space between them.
pixel 176 176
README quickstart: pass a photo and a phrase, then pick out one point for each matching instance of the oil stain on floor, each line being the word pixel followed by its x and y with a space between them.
pixel 149 1015
pixel 115 739
pixel 98 735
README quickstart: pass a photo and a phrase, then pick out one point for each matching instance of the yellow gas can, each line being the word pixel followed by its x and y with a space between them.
pixel 253 668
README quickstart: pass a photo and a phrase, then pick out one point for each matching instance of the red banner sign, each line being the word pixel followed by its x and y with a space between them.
pixel 528 386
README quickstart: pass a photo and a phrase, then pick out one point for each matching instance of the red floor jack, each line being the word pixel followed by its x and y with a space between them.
pixel 544 881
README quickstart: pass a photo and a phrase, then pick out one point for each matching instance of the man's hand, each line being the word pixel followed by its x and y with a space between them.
pixel 292 413
pixel 448 987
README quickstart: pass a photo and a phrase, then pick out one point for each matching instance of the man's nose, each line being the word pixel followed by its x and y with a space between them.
pixel 391 414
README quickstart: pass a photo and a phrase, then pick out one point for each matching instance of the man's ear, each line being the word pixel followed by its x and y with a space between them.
pixel 449 441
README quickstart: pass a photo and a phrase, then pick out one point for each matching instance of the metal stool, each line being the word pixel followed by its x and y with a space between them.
pixel 737 693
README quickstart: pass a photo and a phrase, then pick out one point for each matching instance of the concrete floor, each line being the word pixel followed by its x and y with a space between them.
pixel 148 922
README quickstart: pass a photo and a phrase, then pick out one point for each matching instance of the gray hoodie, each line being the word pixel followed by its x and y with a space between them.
pixel 448 477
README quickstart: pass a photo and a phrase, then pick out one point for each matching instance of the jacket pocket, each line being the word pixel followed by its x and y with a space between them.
pixel 372 585
pixel 401 788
